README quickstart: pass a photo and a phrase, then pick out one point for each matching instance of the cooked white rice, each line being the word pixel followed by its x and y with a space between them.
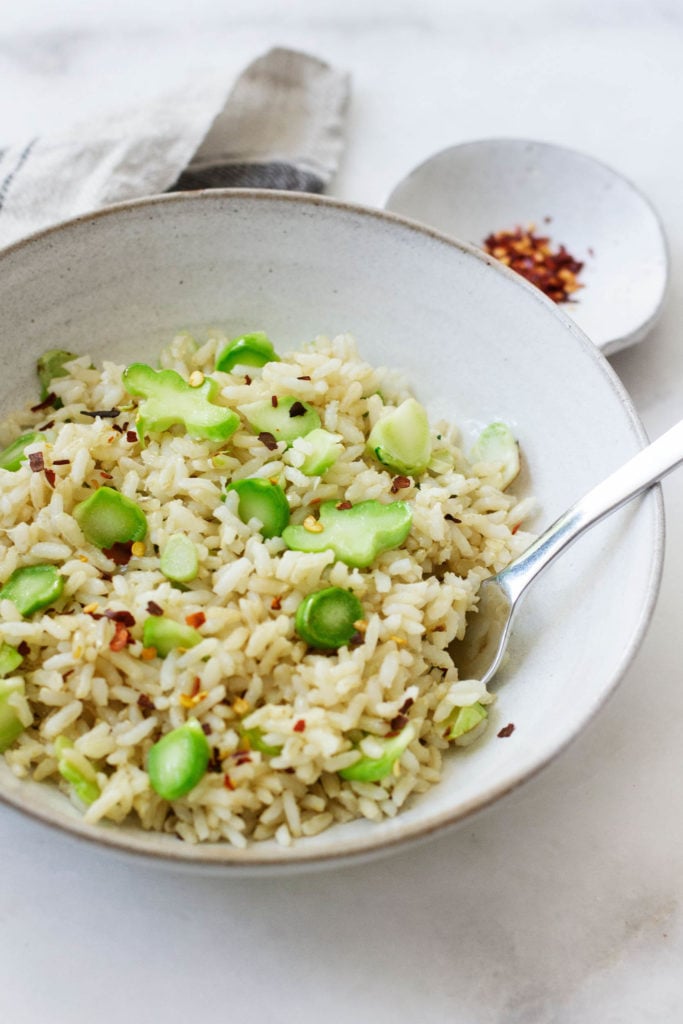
pixel 250 667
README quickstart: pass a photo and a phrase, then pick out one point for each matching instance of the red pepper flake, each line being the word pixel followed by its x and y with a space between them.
pixel 356 639
pixel 48 425
pixel 50 476
pixel 61 462
pixel 397 723
pixel 305 376
pixel 274 402
pixel 36 462
pixel 406 706
pixel 47 403
pixel 276 604
pixel 105 414
pixel 23 649
pixel 297 409
pixel 452 519
pixel 247 379
pixel 554 271
pixel 266 438
pixel 315 501
pixel 241 757
pixel 121 637
pixel 399 483
pixel 145 702
pixel 154 609
pixel 514 529
pixel 105 475
pixel 206 728
pixel 196 685
pixel 214 764
pixel 124 617
pixel 344 505
pixel 131 436
pixel 117 427
pixel 120 552
pixel 196 619
pixel 506 731
pixel 228 783
pixel 300 725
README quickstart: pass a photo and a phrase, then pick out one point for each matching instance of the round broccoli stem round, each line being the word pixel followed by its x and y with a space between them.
pixel 178 761
pixel 32 588
pixel 263 500
pixel 166 635
pixel 327 618
pixel 11 726
pixel 179 561
pixel 108 517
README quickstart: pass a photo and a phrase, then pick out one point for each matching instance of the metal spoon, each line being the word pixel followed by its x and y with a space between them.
pixel 479 655
pixel 476 188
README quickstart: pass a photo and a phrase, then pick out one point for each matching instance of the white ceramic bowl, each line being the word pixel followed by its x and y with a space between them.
pixel 479 344
pixel 476 188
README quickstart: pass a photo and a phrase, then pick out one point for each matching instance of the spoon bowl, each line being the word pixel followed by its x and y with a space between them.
pixel 476 188
pixel 480 653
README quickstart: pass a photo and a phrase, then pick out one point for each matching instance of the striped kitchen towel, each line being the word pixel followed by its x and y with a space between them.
pixel 281 127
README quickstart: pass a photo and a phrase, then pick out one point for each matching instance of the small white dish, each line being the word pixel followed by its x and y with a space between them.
pixel 474 189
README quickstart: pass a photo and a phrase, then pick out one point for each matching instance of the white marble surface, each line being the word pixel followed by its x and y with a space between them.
pixel 560 905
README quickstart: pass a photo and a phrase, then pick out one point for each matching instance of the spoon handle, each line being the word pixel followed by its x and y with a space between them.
pixel 644 469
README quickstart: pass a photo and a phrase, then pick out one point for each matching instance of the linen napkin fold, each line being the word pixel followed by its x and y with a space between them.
pixel 281 126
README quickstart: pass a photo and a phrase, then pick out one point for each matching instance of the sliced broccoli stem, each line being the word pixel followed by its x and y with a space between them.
pixel 108 517
pixel 356 535
pixel 179 560
pixel 32 588
pixel 327 618
pixel 373 769
pixel 248 350
pixel 401 440
pixel 263 500
pixel 288 419
pixel 166 635
pixel 169 400
pixel 13 455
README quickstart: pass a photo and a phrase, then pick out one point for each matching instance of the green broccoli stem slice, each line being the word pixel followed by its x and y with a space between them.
pixel 327 618
pixel 401 439
pixel 288 419
pixel 179 560
pixel 178 761
pixel 373 769
pixel 108 517
pixel 33 587
pixel 9 659
pixel 170 400
pixel 326 449
pixel 13 455
pixel 356 535
pixel 254 349
pixel 463 720
pixel 10 725
pixel 80 775
pixel 166 635
pixel 262 500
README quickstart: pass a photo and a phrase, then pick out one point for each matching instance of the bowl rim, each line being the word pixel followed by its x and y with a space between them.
pixel 224 858
pixel 620 341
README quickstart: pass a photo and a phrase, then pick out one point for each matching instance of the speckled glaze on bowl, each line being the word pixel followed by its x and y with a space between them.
pixel 479 344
